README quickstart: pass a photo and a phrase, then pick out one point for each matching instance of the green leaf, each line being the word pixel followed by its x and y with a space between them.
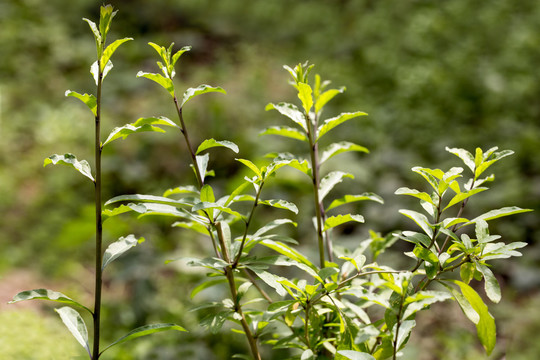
pixel 464 155
pixel 202 164
pixel 109 50
pixel 94 70
pixel 334 221
pixel 122 209
pixel 252 166
pixel 280 204
pixel 285 131
pixel 192 226
pixel 199 90
pixel 210 143
pixel 487 163
pixel 347 199
pixel 286 160
pixel 166 83
pixel 493 290
pixel 71 160
pixel 46 294
pixel 486 324
pixel 211 205
pixel 325 97
pixel 189 189
pixel 331 180
pixel 179 53
pixel 290 111
pixel 286 250
pixel 75 324
pixel 207 194
pixel 126 130
pixel 94 29
pixel 272 225
pixel 431 175
pixel 458 198
pixel 419 219
pixel 501 250
pixel 304 94
pixel 426 254
pixel 160 120
pixel 339 148
pixel 143 331
pixel 118 248
pixel 355 355
pixel 147 198
pixel 270 280
pixel 89 100
pixel 207 284
pixel 494 214
pixel 466 272
pixel 329 124
pixel 105 18
pixel 415 193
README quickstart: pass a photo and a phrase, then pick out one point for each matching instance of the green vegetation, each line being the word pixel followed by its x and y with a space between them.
pixel 285 287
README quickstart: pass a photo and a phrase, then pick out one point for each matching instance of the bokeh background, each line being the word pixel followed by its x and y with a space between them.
pixel 430 74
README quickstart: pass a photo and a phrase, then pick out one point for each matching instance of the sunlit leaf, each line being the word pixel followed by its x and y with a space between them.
pixel 458 198
pixel 46 294
pixel 339 148
pixel 280 204
pixel 143 331
pixel 109 50
pixel 71 160
pixel 415 193
pixel 147 198
pixel 493 290
pixel 166 83
pixel 207 284
pixel 494 214
pixel 75 324
pixel 95 71
pixel 290 111
pixel 199 90
pixel 347 199
pixel 356 355
pixel 304 94
pixel 94 29
pixel 118 248
pixel 179 53
pixel 419 219
pixel 285 131
pixel 329 124
pixel 189 189
pixel 286 250
pixel 325 97
pixel 331 180
pixel 89 100
pixel 210 143
pixel 334 221
pixel 272 225
pixel 501 250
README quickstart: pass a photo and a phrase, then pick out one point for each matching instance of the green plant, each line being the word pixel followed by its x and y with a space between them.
pixel 346 305
pixel 71 318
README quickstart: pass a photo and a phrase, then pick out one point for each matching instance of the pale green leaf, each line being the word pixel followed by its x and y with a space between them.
pixel 280 204
pixel 458 198
pixel 75 324
pixel 334 221
pixel 331 180
pixel 339 148
pixel 419 219
pixel 329 124
pixel 166 83
pixel 464 155
pixel 501 250
pixel 46 294
pixel 494 214
pixel 210 143
pixel 286 250
pixel 290 111
pixel 109 50
pixel 160 120
pixel 207 194
pixel 89 100
pixel 415 193
pixel 356 355
pixel 347 199
pixel 202 164
pixel 179 53
pixel 143 331
pixel 325 97
pixel 404 331
pixel 147 198
pixel 199 90
pixel 118 248
pixel 189 189
pixel 493 290
pixel 285 131
pixel 207 284
pixel 305 95
pixel 94 29
pixel 71 160
pixel 252 166
pixel 272 225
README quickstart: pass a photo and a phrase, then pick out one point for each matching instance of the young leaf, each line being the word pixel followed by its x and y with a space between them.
pixel 189 189
pixel 285 131
pixel 458 198
pixel 202 164
pixel 305 95
pixel 325 97
pixel 118 248
pixel 207 284
pixel 329 124
pixel 493 290
pixel 340 147
pixel 347 199
pixel 166 83
pixel 95 30
pixel 109 50
pixel 290 111
pixel 272 225
pixel 334 221
pixel 252 166
pixel 287 251
pixel 210 143
pixel 95 71
pixel 415 193
pixel 486 324
pixel 143 331
pixel 105 18
pixel 464 155
pixel 501 250
pixel 71 160
pixel 148 198
pixel 89 100
pixel 494 214
pixel 331 180
pixel 404 332
pixel 179 53
pixel 419 219
pixel 199 90
pixel 126 130
pixel 75 324
pixel 280 204
pixel 45 294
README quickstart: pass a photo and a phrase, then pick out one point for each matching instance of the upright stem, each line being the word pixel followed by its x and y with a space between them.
pixel 99 228
pixel 319 211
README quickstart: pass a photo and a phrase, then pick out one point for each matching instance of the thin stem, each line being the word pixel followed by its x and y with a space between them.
pixel 99 228
pixel 315 177
pixel 248 222
pixel 398 324
pixel 198 175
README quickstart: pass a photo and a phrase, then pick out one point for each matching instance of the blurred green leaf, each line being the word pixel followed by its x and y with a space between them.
pixel 329 181
pixel 166 83
pixel 339 148
pixel 329 124
pixel 305 96
pixel 334 221
pixel 199 90
pixel 46 294
pixel 89 100
pixel 290 111
pixel 355 355
pixel 75 324
pixel 118 248
pixel 210 143
pixel 347 199
pixel 285 131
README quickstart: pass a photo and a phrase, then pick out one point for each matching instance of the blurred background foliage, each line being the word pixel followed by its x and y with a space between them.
pixel 429 73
